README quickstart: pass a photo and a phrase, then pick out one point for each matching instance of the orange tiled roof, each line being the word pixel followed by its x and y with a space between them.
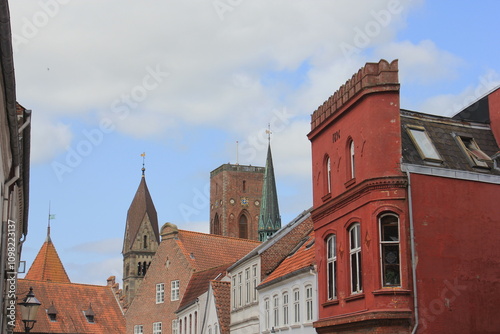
pixel 199 282
pixel 47 265
pixel 222 295
pixel 206 251
pixel 70 300
pixel 302 258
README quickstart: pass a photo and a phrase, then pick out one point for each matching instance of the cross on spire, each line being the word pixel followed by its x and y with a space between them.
pixel 143 155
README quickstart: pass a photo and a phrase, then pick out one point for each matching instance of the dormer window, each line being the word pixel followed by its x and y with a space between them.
pixel 476 157
pixel 423 143
pixel 89 314
pixel 52 313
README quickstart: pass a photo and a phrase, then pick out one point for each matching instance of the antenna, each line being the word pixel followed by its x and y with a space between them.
pixel 237 153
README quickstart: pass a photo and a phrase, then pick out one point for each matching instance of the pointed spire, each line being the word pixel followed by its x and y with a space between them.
pixel 47 265
pixel 143 155
pixel 269 218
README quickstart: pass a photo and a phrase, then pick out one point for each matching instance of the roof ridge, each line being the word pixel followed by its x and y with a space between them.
pixel 65 283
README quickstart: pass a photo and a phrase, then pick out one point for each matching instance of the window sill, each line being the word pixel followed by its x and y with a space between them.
pixel 295 326
pixel 330 303
pixel 391 291
pixel 350 182
pixel 355 297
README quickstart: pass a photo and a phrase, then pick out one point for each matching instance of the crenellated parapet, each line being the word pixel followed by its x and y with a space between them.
pixel 373 77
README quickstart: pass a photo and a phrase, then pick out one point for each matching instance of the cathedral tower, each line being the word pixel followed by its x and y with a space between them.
pixel 235 195
pixel 141 240
pixel 269 218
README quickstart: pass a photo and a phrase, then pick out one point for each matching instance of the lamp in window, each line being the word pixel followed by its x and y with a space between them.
pixel 29 309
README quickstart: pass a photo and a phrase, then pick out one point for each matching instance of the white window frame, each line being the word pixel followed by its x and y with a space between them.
pixel 285 298
pixel 266 313
pixel 331 267
pixel 160 293
pixel 296 306
pixel 309 303
pixel 328 175
pixel 351 159
pixel 174 290
pixel 276 311
pixel 235 301
pixel 240 288
pixel 138 329
pixel 389 243
pixel 254 282
pixel 175 326
pixel 355 253
pixel 156 327
pixel 247 286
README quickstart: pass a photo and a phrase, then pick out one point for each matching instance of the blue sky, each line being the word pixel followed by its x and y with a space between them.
pixel 184 81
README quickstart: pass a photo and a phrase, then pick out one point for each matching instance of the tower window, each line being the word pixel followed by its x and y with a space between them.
pixel 355 255
pixel 328 172
pixel 331 270
pixel 389 250
pixel 352 165
pixel 244 186
pixel 145 242
pixel 243 227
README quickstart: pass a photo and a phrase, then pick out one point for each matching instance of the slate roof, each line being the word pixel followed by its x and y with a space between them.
pixel 440 130
pixel 301 259
pixel 70 300
pixel 222 295
pixel 47 265
pixel 199 284
pixel 207 251
pixel 142 204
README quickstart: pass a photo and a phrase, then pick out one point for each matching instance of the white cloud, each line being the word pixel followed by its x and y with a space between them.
pixel 103 247
pixel 48 138
pixel 96 272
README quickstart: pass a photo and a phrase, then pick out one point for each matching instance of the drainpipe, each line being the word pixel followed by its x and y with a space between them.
pixel 413 262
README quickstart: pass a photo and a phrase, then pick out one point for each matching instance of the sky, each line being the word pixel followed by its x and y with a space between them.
pixel 195 84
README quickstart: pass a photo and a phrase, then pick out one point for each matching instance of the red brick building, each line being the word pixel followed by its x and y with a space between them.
pixel 235 200
pixel 404 212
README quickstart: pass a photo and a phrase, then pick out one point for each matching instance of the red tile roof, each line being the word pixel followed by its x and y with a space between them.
pixel 47 265
pixel 222 295
pixel 70 300
pixel 206 251
pixel 301 259
pixel 199 282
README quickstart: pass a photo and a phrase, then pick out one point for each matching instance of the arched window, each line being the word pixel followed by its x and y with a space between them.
pixel 243 227
pixel 144 268
pixel 309 303
pixel 285 307
pixel 328 172
pixel 352 165
pixel 331 270
pixel 145 242
pixel 276 311
pixel 139 269
pixel 355 256
pixel 389 250
pixel 217 225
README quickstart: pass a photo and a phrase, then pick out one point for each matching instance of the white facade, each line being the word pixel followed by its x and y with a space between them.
pixel 210 323
pixel 290 305
pixel 189 319
pixel 245 315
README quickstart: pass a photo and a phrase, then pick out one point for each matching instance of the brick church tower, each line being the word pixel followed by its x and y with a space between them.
pixel 235 200
pixel 141 240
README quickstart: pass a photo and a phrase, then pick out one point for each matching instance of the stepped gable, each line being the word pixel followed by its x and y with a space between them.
pixel 69 301
pixel 47 265
pixel 206 251
pixel 222 295
pixel 370 78
pixel 142 204
pixel 302 259
pixel 199 283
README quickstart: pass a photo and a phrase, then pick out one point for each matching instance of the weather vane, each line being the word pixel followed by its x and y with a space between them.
pixel 143 155
pixel 269 132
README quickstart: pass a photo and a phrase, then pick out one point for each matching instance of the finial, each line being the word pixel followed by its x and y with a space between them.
pixel 268 131
pixel 51 216
pixel 143 155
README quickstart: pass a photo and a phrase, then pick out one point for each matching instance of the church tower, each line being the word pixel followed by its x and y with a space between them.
pixel 141 240
pixel 269 218
pixel 235 195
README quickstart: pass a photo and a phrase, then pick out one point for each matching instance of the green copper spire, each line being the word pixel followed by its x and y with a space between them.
pixel 269 218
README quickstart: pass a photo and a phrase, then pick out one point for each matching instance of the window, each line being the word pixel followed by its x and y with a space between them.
pixel 209 329
pixel 157 328
pixel 254 282
pixel 389 250
pixel 309 303
pixel 355 255
pixel 244 186
pixel 328 170
pixel 240 274
pixel 160 293
pixel 243 227
pixel 423 143
pixel 247 285
pixel 275 311
pixel 145 242
pixel 331 270
pixel 174 290
pixel 266 315
pixel 285 308
pixel 175 324
pixel 216 329
pixel 196 322
pixel 190 324
pixel 138 329
pixel 296 306
pixel 352 164
pixel 476 157
pixel 235 303
pixel 180 326
pixel 52 313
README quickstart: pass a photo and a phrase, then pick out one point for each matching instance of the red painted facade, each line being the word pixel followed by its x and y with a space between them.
pixel 360 183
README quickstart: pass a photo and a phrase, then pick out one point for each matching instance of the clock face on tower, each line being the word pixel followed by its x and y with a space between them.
pixel 244 201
